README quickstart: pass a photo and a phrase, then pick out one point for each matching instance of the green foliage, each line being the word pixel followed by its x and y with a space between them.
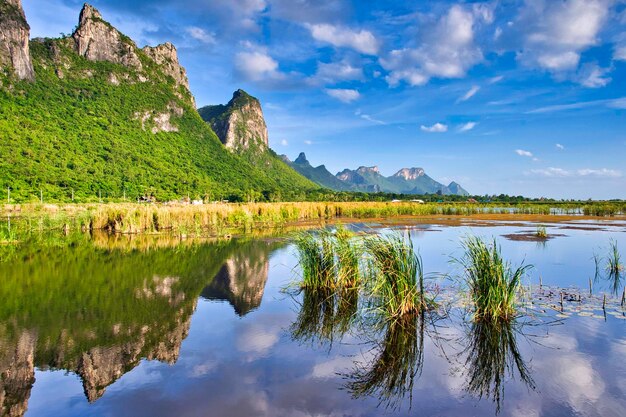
pixel 74 133
pixel 396 275
pixel 492 283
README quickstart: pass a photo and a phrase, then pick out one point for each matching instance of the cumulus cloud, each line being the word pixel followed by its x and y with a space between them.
pixel 360 40
pixel 467 126
pixel 257 66
pixel 560 147
pixel 558 31
pixel 522 152
pixel 602 173
pixel 284 142
pixel 551 172
pixel 343 95
pixel 201 35
pixel 447 50
pixel 436 128
pixel 470 93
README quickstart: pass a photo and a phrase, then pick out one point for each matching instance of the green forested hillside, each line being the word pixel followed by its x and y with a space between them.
pixel 84 128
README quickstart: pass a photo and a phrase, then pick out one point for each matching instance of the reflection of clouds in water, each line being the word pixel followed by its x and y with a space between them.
pixel 148 372
pixel 203 369
pixel 257 338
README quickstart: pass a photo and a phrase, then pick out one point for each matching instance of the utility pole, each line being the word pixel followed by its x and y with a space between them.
pixel 41 195
pixel 8 195
pixel 100 195
pixel 72 194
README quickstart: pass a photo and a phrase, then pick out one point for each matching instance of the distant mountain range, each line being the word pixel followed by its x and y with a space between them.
pixel 369 179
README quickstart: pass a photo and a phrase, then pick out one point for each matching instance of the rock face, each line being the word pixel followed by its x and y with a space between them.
pixel 410 173
pixel 240 124
pixel 14 38
pixel 97 40
pixel 167 57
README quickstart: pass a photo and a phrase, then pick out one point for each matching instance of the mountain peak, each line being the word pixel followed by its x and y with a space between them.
pixel 14 40
pixel 97 40
pixel 410 173
pixel 301 159
pixel 239 124
pixel 364 169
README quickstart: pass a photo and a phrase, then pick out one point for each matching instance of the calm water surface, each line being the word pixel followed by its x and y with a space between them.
pixel 97 328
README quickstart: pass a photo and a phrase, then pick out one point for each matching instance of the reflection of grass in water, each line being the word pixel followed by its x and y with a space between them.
pixel 492 356
pixel 396 275
pixel 493 284
pixel 391 374
pixel 324 314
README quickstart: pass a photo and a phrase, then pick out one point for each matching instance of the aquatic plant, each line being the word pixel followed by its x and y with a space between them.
pixel 349 254
pixel 541 232
pixel 316 257
pixel 614 262
pixel 492 354
pixel 391 374
pixel 493 284
pixel 396 275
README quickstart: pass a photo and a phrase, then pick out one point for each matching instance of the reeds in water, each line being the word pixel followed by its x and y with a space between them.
pixel 493 284
pixel 396 275
pixel 541 232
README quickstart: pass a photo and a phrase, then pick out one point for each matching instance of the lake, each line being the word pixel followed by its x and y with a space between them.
pixel 154 326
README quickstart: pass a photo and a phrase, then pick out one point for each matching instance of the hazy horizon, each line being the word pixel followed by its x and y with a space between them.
pixel 524 98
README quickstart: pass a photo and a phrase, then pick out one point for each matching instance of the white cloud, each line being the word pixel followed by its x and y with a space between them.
pixel 560 30
pixel 362 41
pixel 522 152
pixel 368 118
pixel 470 93
pixel 496 79
pixel 201 35
pixel 308 142
pixel 284 142
pixel 467 126
pixel 553 172
pixel 560 147
pixel 592 76
pixel 436 128
pixel 614 103
pixel 344 95
pixel 257 66
pixel 602 173
pixel 447 50
pixel 333 72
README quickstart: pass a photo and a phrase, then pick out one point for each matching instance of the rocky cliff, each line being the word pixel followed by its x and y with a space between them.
pixel 319 174
pixel 240 124
pixel 14 40
pixel 166 56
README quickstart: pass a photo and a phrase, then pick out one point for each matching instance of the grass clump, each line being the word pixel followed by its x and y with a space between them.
pixel 541 232
pixel 614 264
pixel 329 259
pixel 493 284
pixel 396 274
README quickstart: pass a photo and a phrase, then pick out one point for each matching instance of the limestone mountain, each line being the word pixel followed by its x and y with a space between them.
pixel 14 40
pixel 92 114
pixel 369 179
pixel 240 124
pixel 319 174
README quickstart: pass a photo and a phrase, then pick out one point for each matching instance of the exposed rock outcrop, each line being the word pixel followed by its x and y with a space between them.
pixel 160 121
pixel 14 38
pixel 166 56
pixel 410 173
pixel 97 40
pixel 240 124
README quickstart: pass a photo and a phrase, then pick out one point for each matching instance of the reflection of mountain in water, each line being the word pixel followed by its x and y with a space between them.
pixel 241 280
pixel 98 313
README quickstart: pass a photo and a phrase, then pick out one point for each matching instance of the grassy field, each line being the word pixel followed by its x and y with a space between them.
pixel 219 219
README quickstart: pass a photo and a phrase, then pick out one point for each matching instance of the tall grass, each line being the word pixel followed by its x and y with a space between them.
pixel 317 260
pixel 541 232
pixel 329 259
pixel 493 284
pixel 396 274
pixel 614 261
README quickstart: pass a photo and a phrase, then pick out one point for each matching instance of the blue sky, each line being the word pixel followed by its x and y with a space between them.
pixel 517 97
